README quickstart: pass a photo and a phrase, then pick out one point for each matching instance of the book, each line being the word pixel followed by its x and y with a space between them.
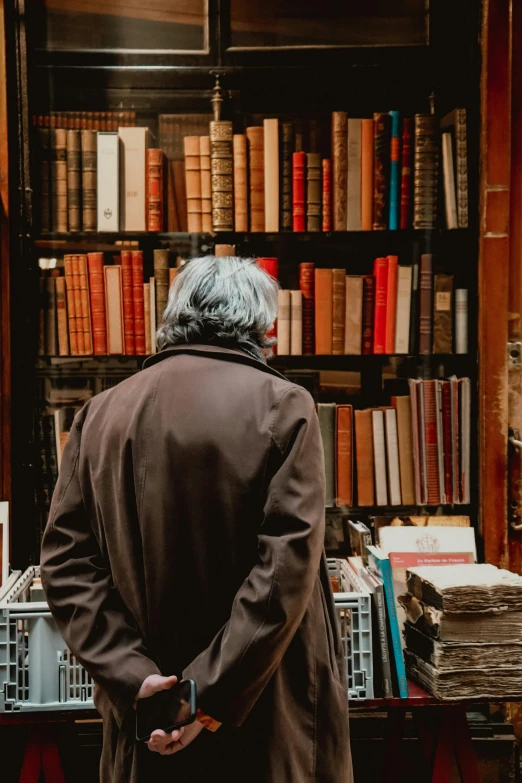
pixel 220 250
pixel 447 446
pixel 44 179
pixel 239 146
pixel 61 317
pixel 455 122
pixel 85 305
pixel 380 636
pixel 72 319
pixel 313 191
pixel 395 171
pixel 270 266
pixel 298 191
pixel 443 313
pixel 354 152
pixel 338 310
pixel 296 323
pixel 114 309
pixel 256 163
pixel 146 314
pixel 326 412
pixel 392 456
pixel 283 322
pixel 406 167
pixel 323 311
pixel 89 163
pixel 137 295
pixel 340 169
pixel 74 180
pixel 425 303
pixel 327 194
pixel 379 458
pixel 193 183
pixel 133 172
pixel 391 305
pixel 155 189
pixel 465 434
pixel 63 421
pixel 107 186
pixel 206 184
pixel 380 273
pixel 97 301
pixel 368 313
pixel 152 309
pixel 364 457
pixel 59 179
pixel 405 443
pixel 367 145
pixel 129 337
pixel 360 538
pixel 461 320
pixel 353 317
pixel 307 286
pixel 271 132
pixel 425 171
pixel 448 175
pixel 344 455
pixel 414 309
pixel 402 322
pixel 285 175
pixel 78 305
pixel 381 169
pixel 161 278
pixel 431 442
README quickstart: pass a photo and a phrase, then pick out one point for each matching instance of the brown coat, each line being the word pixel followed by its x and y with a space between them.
pixel 186 537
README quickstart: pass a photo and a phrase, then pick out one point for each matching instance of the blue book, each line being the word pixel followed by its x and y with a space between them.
pixel 379 563
pixel 395 171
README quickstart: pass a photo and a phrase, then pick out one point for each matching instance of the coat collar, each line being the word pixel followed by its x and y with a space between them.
pixel 215 352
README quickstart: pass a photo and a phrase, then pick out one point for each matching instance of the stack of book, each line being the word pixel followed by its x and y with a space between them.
pixel 463 631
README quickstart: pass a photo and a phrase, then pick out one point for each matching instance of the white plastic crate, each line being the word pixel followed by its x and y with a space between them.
pixel 37 671
pixel 354 612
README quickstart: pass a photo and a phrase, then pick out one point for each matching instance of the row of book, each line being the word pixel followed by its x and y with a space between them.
pixel 414 452
pixel 383 173
pixel 80 120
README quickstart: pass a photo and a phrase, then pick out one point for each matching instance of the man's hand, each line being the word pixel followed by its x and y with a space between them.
pixel 167 744
pixel 153 684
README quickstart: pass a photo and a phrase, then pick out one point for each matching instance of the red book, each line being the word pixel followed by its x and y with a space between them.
pixel 298 191
pixel 391 304
pixel 406 173
pixel 431 442
pixel 446 427
pixel 139 304
pixel 270 265
pixel 306 284
pixel 367 316
pixel 327 195
pixel 128 302
pixel 97 289
pixel 154 190
pixel 380 273
pixel 78 304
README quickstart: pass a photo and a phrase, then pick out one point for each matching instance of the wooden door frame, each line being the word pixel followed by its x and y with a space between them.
pixel 5 314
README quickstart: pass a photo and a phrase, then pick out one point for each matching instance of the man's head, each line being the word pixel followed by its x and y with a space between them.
pixel 225 300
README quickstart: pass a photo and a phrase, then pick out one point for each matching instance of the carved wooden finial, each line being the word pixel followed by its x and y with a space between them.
pixel 432 103
pixel 217 99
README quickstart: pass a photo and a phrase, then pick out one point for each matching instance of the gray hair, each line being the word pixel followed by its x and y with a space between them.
pixel 226 300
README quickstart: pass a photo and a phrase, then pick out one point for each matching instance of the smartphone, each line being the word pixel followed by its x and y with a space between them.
pixel 166 710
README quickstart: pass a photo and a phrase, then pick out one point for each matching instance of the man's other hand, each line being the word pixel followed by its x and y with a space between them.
pixel 167 744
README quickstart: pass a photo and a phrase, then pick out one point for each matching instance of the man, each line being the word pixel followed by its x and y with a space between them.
pixel 186 539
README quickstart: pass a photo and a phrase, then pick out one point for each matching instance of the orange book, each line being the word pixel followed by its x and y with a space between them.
pixel 323 311
pixel 391 305
pixel 338 310
pixel 364 458
pixel 344 463
pixel 86 309
pixel 78 303
pixel 61 317
pixel 139 304
pixel 114 309
pixel 71 309
pixel 173 271
pixel 98 317
pixel 367 175
pixel 128 302
pixel 380 273
pixel 146 311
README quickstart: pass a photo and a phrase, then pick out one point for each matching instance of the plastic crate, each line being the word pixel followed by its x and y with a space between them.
pixel 37 671
pixel 354 612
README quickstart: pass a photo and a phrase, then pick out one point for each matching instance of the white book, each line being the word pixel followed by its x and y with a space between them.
pixel 422 444
pixel 465 430
pixel 440 441
pixel 461 320
pixel 455 438
pixel 450 199
pixel 296 323
pixel 107 183
pixel 392 453
pixel 271 128
pixel 152 293
pixel 353 316
pixel 133 171
pixel 414 399
pixel 283 322
pixel 114 309
pixel 379 458
pixel 402 323
pixel 354 218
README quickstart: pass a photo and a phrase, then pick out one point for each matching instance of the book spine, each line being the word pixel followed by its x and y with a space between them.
pixel 270 266
pixel 426 171
pixel 193 183
pixel 338 310
pixel 323 311
pixel 298 191
pixel 380 273
pixel 353 317
pixel 206 184
pixel 256 158
pixel 461 155
pixel 78 303
pixel 367 146
pixel 379 458
pixel 220 250
pixel 44 179
pixel 89 165
pixel 51 342
pixel 128 303
pixel 59 179
pixel 107 184
pixel 327 195
pixel 448 176
pixel 74 180
pixel 391 304
pixel 133 209
pixel 340 169
pixel 364 458
pixel 443 314
pixel 152 308
pixel 155 168
pixel 392 456
pixel 425 300
pixel 239 143
pixel 61 317
pixel 395 129
pixel 71 309
pixel 41 315
pixel 405 439
pixel 313 191
pixel 402 322
pixel 222 175
pixel 414 315
pixel 344 471
pixel 283 322
pixel 307 285
pixel 296 323
pixel 285 179
pixel 406 173
pixel 98 312
pixel 353 203
pixel 85 303
pixel 146 313
pixel 461 320
pixel 386 672
pixel 431 442
pixel 326 413
pixel 114 309
pixel 381 171
pixel 271 131
pixel 447 436
pixel 391 609
pixel 139 306
pixel 161 277
pixel 368 315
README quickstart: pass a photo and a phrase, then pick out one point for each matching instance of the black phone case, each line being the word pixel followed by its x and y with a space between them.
pixel 168 729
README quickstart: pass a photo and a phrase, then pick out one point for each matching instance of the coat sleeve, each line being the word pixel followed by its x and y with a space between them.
pixel 81 595
pixel 270 604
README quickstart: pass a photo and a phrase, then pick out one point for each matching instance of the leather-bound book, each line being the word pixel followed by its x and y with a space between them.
pixel 447 441
pixel 307 285
pixel 193 183
pixel 443 314
pixel 455 122
pixel 152 310
pixel 271 131
pixel 380 273
pixel 51 337
pixel 353 321
pixel 61 317
pixel 98 309
pixel 114 309
pixel 240 182
pixel 74 180
pixel 177 217
pixel 367 145
pixel 323 311
pixel 78 303
pixel 405 437
pixel 344 454
pixel 59 179
pixel 128 303
pixel 161 276
pixel 313 191
pixel 206 184
pixel 402 321
pixel 173 271
pixel 364 458
pixel 431 442
pixel 285 176
pixel 155 202
pixel 338 310
pixel 354 221
pixel 222 171
pixel 395 171
pixel 44 179
pixel 71 306
pixel 283 322
pixel 327 195
pixel 340 169
pixel 146 312
pixel 406 167
pixel 391 304
pixel 298 191
pixel 256 162
pixel 426 171
pixel 89 165
pixel 425 303
pixel 270 265
pixel 139 305
pixel 326 412
pixel 368 313
pixel 133 150
pixel 381 170
pixel 224 250
pixel 85 304
pixel 296 323
pixel 461 320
